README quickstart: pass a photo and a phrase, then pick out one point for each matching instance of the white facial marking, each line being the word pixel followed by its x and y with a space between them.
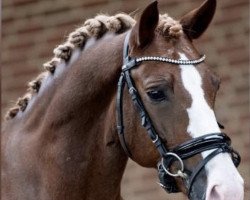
pixel 201 117
pixel 202 120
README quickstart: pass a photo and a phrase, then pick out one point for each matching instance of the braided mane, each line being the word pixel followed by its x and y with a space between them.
pixel 95 27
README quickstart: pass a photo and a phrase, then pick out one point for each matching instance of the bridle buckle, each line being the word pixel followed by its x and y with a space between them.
pixel 156 139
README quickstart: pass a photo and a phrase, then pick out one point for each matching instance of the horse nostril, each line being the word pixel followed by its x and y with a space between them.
pixel 215 193
pixel 220 192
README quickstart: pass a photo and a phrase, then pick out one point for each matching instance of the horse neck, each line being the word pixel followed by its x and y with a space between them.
pixel 80 120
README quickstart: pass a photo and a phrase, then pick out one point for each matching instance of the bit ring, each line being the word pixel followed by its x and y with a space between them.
pixel 180 171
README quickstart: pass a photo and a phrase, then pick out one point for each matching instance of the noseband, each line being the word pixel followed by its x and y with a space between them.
pixel 219 142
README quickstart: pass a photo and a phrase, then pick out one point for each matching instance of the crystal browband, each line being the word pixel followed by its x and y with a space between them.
pixel 172 61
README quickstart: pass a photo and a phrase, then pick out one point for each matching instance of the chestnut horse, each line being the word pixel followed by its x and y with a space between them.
pixel 60 140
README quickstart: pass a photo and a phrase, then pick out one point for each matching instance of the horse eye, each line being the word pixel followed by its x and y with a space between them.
pixel 157 95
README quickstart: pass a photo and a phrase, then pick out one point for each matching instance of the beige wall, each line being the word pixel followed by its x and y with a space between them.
pixel 32 28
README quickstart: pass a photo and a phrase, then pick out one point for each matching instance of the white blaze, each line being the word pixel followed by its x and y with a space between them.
pixel 201 117
pixel 221 171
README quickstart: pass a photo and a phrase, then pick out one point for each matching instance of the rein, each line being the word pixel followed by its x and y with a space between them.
pixel 219 142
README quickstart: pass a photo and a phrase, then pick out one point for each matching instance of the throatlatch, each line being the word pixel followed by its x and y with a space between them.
pixel 219 142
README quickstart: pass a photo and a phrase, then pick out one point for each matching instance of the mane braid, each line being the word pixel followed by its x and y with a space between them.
pixel 169 28
pixel 95 27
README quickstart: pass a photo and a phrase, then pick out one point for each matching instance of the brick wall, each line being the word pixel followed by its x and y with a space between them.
pixel 32 28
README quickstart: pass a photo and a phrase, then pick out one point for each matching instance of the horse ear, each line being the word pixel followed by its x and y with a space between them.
pixel 196 22
pixel 145 28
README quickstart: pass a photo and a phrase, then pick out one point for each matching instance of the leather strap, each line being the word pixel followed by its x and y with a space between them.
pixel 119 114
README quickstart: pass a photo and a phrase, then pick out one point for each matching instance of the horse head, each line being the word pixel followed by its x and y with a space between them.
pixel 174 92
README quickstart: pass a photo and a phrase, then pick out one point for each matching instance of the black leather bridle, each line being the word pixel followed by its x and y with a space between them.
pixel 218 142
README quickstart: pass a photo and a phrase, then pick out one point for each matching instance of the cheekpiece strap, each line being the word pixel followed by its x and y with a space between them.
pixel 128 64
